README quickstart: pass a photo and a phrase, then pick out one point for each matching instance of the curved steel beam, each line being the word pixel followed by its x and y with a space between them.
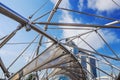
pixel 12 14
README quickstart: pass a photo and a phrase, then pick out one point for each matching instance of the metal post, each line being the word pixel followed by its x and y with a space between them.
pixel 10 36
pixel 4 68
pixel 49 19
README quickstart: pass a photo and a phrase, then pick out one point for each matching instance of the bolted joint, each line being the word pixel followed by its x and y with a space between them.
pixel 28 27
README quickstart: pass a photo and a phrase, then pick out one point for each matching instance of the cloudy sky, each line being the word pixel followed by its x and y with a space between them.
pixel 97 7
pixel 105 8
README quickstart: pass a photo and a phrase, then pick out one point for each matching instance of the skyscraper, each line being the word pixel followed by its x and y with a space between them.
pixel 91 67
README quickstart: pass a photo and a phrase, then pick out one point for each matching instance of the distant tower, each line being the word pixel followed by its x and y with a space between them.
pixel 92 67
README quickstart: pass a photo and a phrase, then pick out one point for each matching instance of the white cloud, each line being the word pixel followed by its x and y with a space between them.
pixel 66 17
pixel 96 42
pixel 48 44
pixel 109 36
pixel 93 38
pixel 81 4
pixel 54 1
pixel 102 5
pixel 63 4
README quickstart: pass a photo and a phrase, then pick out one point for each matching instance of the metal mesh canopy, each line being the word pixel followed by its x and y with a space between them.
pixel 73 73
pixel 57 58
pixel 95 49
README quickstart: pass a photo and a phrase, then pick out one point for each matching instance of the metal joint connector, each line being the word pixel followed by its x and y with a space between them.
pixel 28 27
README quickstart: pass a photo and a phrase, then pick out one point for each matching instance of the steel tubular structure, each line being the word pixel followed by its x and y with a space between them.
pixel 10 13
pixel 71 66
pixel 4 68
pixel 77 25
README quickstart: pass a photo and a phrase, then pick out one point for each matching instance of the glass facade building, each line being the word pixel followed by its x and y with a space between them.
pixel 91 68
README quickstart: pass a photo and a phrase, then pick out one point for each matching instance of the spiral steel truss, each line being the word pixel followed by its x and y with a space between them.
pixel 56 59
pixel 57 56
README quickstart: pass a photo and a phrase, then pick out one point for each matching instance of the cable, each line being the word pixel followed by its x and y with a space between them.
pixel 20 43
pixel 79 34
pixel 116 3
pixel 95 50
pixel 98 68
pixel 42 16
pixel 9 37
pixel 38 9
pixel 80 12
pixel 107 44
pixel 71 28
pixel 22 52
pixel 85 37
pixel 27 43
pixel 91 56
pixel 3 38
pixel 76 35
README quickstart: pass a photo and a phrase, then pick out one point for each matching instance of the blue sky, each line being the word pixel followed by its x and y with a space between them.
pixel 27 7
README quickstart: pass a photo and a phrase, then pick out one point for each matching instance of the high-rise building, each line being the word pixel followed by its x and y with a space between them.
pixel 91 67
pixel 83 62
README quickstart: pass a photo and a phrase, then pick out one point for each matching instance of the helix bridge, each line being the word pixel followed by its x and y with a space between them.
pixel 42 53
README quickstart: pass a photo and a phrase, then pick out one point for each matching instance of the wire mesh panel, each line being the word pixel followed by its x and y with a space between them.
pixel 52 57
